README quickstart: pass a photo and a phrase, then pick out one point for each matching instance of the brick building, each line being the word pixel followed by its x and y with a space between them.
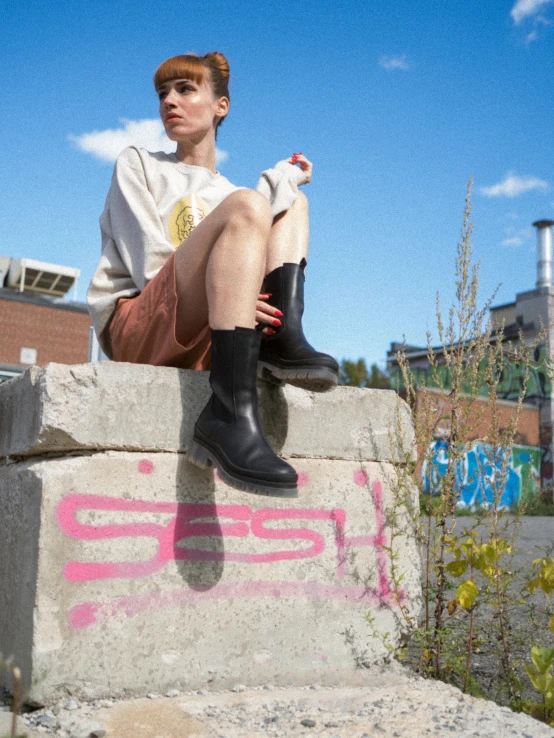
pixel 38 324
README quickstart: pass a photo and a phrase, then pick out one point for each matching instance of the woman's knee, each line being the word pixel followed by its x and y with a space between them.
pixel 301 202
pixel 250 208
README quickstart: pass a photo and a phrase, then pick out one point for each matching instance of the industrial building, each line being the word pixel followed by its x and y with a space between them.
pixel 529 315
pixel 38 323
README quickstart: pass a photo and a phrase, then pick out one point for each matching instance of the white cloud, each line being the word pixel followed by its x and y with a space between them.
pixel 525 8
pixel 516 237
pixel 513 185
pixel 148 133
pixel 512 241
pixel 221 156
pixel 394 62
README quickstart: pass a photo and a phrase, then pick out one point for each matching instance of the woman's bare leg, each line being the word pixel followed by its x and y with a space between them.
pixel 220 266
pixel 289 237
pixel 219 272
pixel 286 354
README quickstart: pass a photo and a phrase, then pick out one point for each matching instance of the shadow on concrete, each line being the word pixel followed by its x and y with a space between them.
pixel 198 540
pixel 20 526
pixel 274 414
pixel 199 536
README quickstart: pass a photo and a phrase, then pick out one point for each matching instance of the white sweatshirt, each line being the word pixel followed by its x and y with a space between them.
pixel 153 204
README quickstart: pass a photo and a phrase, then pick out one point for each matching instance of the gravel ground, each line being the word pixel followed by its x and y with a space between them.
pixel 393 702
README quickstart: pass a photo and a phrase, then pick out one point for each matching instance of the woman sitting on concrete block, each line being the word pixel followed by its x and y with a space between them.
pixel 198 273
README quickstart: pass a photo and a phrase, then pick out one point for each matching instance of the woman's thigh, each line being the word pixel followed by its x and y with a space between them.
pixel 191 263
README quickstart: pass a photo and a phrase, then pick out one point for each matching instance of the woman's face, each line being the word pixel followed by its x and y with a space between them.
pixel 188 109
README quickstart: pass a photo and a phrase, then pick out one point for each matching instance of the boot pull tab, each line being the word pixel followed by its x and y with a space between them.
pixel 303 265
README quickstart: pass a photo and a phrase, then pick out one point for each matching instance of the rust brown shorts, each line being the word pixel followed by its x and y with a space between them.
pixel 142 330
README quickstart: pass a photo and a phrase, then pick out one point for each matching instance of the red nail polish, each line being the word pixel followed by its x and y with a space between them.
pixel 279 313
pixel 270 332
pixel 276 322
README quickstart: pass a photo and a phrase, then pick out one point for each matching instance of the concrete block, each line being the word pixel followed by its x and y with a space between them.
pixel 129 573
pixel 132 407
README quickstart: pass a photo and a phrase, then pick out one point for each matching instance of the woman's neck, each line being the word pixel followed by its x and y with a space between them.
pixel 200 154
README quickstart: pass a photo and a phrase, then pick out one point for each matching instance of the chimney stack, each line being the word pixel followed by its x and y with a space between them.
pixel 544 252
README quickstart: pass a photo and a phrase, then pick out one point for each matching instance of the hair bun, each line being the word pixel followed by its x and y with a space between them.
pixel 220 62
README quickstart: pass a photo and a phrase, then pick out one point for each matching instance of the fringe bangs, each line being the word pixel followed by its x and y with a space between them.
pixel 185 66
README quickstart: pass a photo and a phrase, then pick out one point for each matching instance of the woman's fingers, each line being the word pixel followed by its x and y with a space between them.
pixel 266 313
pixel 269 312
pixel 305 165
pixel 264 317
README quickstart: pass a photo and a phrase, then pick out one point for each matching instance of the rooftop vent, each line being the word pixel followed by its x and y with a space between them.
pixel 544 252
pixel 28 275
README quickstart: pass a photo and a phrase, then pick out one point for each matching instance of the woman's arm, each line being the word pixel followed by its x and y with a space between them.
pixel 280 184
pixel 134 222
pixel 264 311
pixel 134 246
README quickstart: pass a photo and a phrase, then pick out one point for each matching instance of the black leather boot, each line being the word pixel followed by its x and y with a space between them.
pixel 228 433
pixel 287 355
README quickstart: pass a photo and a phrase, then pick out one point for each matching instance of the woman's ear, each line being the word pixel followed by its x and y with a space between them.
pixel 222 107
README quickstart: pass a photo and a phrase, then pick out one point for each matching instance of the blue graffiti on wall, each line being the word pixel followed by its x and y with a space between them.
pixel 480 474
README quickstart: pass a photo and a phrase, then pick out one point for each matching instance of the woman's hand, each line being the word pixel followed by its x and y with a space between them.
pixel 266 313
pixel 305 165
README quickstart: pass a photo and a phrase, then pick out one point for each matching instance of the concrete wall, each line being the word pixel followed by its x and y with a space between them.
pixel 124 569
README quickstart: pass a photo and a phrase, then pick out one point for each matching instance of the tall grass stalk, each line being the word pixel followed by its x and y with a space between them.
pixel 470 586
pixel 7 665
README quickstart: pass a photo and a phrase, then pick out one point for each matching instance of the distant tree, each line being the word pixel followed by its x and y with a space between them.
pixel 356 374
pixel 353 373
pixel 377 378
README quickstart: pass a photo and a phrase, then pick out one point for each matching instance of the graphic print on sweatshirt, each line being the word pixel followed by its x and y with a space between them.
pixel 185 216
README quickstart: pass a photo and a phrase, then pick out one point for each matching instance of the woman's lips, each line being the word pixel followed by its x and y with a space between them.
pixel 171 117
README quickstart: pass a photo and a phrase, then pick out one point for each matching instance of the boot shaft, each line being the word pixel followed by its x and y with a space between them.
pixel 233 375
pixel 286 286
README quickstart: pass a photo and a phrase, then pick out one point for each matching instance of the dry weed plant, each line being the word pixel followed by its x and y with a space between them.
pixel 471 588
pixel 7 665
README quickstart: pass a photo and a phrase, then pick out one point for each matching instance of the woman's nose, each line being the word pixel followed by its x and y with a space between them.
pixel 169 99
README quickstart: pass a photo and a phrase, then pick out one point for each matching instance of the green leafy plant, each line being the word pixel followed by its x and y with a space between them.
pixel 542 678
pixel 472 588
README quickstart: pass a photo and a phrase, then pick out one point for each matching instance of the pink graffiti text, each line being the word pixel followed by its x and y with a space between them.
pixel 190 520
pixel 194 520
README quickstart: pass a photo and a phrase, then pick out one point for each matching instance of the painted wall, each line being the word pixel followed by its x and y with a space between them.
pixel 479 473
pixel 510 385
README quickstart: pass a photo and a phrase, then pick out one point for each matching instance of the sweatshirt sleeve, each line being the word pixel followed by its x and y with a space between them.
pixel 280 185
pixel 134 223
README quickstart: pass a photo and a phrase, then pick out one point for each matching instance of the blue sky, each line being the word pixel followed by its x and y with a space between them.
pixel 397 104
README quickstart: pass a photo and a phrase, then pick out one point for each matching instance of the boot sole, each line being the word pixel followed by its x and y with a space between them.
pixel 312 379
pixel 205 458
pixel 266 376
